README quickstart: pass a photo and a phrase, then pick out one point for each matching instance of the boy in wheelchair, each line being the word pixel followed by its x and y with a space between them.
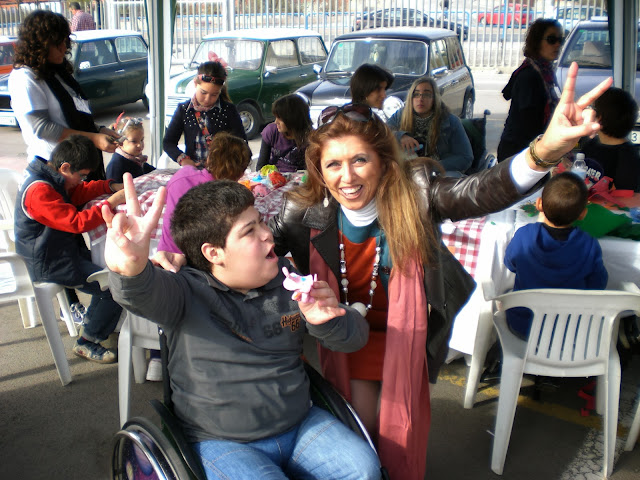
pixel 238 383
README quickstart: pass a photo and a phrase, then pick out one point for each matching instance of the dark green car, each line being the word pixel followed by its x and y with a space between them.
pixel 110 65
pixel 262 65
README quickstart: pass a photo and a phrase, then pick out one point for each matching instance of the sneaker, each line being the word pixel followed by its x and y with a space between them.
pixel 94 352
pixel 154 370
pixel 78 312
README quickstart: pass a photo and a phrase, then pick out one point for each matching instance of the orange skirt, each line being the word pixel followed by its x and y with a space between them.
pixel 366 363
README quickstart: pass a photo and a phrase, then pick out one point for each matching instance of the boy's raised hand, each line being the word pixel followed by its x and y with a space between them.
pixel 128 235
pixel 323 305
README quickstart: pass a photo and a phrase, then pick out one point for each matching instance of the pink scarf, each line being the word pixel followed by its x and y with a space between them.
pixel 405 405
pixel 199 108
pixel 140 160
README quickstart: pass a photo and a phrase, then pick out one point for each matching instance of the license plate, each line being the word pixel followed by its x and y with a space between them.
pixel 635 137
pixel 11 122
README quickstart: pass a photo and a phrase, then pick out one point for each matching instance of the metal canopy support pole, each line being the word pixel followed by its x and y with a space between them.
pixel 625 41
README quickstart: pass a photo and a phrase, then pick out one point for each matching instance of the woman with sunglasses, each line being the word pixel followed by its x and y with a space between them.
pixel 425 126
pixel 206 113
pixel 532 88
pixel 369 225
pixel 48 102
pixel 128 156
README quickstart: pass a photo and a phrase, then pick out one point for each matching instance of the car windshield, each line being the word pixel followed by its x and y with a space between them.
pixel 237 54
pixel 398 56
pixel 589 48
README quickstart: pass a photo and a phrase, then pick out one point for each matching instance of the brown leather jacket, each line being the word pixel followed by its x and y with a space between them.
pixel 447 284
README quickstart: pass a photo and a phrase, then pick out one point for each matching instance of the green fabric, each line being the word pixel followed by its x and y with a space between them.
pixel 631 231
pixel 600 222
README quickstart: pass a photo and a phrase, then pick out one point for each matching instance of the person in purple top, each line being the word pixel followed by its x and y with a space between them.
pixel 229 156
pixel 285 140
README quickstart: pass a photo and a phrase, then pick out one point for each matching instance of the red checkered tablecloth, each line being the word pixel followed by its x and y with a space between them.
pixel 147 187
pixel 463 239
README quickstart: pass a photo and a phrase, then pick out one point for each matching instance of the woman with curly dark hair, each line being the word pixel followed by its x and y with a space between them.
pixel 532 88
pixel 285 140
pixel 48 102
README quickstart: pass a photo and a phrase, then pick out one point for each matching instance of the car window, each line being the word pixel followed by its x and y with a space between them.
pixel 439 54
pixel 95 54
pixel 589 48
pixel 398 56
pixel 6 54
pixel 238 54
pixel 130 48
pixel 311 50
pixel 282 54
pixel 456 59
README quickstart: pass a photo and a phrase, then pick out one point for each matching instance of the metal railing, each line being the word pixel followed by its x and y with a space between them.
pixel 496 30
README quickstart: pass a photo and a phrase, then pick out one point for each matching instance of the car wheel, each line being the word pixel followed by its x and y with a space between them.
pixel 251 120
pixel 467 107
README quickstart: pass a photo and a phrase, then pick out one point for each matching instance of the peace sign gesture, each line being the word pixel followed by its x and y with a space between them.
pixel 129 234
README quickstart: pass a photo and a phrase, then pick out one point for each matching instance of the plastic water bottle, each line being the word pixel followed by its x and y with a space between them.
pixel 579 166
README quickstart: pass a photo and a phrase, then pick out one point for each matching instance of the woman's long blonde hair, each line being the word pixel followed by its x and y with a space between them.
pixel 400 215
pixel 439 110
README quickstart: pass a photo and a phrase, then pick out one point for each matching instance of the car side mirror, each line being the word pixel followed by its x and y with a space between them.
pixel 269 69
pixel 439 72
pixel 317 68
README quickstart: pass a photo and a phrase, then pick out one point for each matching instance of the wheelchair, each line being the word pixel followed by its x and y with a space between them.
pixel 144 451
pixel 476 130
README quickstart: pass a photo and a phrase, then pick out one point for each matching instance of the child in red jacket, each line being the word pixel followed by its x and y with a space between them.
pixel 49 221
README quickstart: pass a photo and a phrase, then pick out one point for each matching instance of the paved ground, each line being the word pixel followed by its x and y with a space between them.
pixel 50 431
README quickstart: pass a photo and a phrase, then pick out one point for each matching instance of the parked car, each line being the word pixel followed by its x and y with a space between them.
pixel 570 16
pixel 516 16
pixel 263 65
pixel 109 65
pixel 406 17
pixel 589 46
pixel 408 53
pixel 6 53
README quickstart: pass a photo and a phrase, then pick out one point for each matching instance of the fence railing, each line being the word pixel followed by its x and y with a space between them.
pixel 495 29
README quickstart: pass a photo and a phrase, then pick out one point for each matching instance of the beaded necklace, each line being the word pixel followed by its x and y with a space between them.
pixel 359 306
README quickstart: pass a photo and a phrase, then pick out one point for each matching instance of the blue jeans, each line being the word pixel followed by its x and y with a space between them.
pixel 103 312
pixel 319 447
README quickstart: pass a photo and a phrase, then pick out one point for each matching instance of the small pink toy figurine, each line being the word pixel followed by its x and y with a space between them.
pixel 300 286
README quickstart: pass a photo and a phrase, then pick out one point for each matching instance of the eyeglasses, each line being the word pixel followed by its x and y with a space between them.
pixel 82 177
pixel 552 39
pixel 210 79
pixel 425 95
pixel 355 111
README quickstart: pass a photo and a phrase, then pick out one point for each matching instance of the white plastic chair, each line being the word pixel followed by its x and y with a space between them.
pixel 136 334
pixel 634 431
pixel 573 334
pixel 9 183
pixel 44 294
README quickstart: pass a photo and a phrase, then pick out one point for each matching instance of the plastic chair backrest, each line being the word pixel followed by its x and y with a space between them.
pixel 9 182
pixel 23 286
pixel 571 329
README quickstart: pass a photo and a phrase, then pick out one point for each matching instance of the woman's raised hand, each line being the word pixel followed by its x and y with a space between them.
pixel 571 119
pixel 128 234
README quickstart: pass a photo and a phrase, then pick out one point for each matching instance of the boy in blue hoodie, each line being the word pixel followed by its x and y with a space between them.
pixel 553 253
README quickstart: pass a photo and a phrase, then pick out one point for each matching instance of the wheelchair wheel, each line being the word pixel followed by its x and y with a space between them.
pixel 142 452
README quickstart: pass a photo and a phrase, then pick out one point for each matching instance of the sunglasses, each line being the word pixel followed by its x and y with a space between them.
pixel 355 111
pixel 131 122
pixel 210 79
pixel 552 39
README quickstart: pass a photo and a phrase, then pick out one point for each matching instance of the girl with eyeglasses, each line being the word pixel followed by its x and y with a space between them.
pixel 206 113
pixel 285 140
pixel 426 128
pixel 368 223
pixel 128 156
pixel 532 88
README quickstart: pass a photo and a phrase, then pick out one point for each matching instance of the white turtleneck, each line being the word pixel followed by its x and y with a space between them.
pixel 363 217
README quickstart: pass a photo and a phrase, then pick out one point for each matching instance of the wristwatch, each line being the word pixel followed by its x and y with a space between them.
pixel 536 159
